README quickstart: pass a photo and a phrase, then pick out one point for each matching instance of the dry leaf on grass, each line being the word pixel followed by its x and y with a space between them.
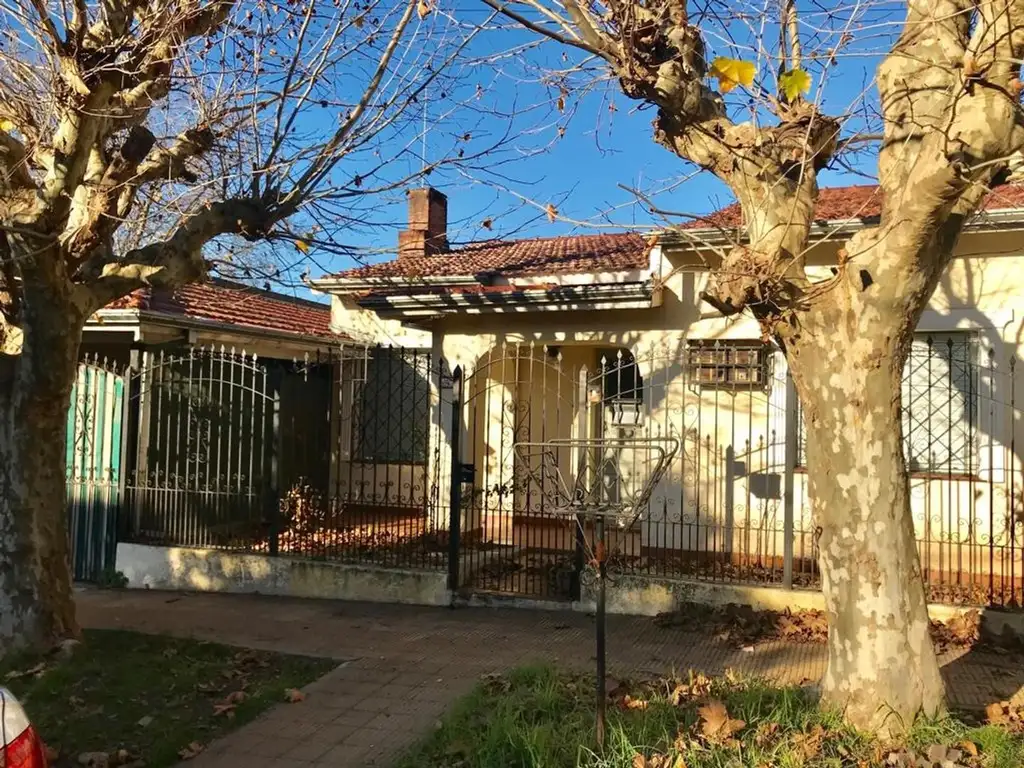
pixel 35 671
pixel 969 747
pixel 294 696
pixel 765 733
pixel 1004 714
pixel 715 723
pixel 52 754
pixel 191 751
pixel 658 760
pixel 809 743
pixel 628 702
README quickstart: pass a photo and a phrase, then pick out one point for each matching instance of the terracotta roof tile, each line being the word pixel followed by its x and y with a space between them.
pixel 520 258
pixel 851 203
pixel 222 301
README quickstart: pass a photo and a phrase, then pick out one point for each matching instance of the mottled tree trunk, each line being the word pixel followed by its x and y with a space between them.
pixel 882 668
pixel 36 603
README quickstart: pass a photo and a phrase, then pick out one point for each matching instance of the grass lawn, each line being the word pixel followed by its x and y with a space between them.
pixel 145 699
pixel 537 718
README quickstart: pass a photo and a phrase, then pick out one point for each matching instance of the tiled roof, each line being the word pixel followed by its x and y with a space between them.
pixel 851 203
pixel 521 258
pixel 230 303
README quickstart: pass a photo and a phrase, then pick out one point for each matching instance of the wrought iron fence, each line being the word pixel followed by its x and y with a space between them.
pixel 322 458
pixel 350 456
pixel 93 465
pixel 733 505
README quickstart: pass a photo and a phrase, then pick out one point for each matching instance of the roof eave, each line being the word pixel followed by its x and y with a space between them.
pixel 613 296
pixel 349 285
pixel 984 221
pixel 128 317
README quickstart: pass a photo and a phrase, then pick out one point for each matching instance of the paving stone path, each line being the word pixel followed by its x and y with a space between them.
pixel 401 667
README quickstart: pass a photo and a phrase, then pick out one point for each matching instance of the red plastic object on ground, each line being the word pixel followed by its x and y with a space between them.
pixel 20 745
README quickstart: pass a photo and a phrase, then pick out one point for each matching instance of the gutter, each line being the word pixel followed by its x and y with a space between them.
pixel 360 284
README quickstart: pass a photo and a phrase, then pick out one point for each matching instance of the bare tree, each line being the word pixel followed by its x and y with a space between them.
pixel 949 118
pixel 133 134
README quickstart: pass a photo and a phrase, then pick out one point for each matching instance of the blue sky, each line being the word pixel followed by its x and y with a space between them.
pixel 606 144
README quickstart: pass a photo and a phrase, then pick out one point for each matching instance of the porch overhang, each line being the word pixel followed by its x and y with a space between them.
pixel 514 299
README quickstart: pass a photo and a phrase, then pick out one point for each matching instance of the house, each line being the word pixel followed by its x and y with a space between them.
pixel 604 336
pixel 194 413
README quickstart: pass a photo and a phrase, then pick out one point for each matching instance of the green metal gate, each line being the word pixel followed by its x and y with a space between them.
pixel 93 467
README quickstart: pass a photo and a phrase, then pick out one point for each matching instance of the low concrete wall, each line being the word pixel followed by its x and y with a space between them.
pixel 646 596
pixel 208 570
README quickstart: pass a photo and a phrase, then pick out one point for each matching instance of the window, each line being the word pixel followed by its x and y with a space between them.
pixel 940 405
pixel 393 408
pixel 735 365
pixel 620 377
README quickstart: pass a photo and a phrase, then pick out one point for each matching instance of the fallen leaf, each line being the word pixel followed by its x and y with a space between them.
pixel 236 697
pixel 191 751
pixel 995 713
pixel 628 702
pixel 716 725
pixel 810 743
pixel 639 761
pixel 969 747
pixel 122 757
pixel 52 754
pixel 35 671
pixel 145 721
pixel 765 732
pixel 224 709
pixel 294 695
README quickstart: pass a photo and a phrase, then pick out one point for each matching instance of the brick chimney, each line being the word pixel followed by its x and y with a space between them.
pixel 428 224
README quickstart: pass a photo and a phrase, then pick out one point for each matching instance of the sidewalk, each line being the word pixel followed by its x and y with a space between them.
pixel 402 666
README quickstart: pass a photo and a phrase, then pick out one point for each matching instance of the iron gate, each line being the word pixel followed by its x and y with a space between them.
pixel 724 510
pixel 509 541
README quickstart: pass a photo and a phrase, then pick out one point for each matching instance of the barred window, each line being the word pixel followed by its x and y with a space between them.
pixel 393 411
pixel 940 405
pixel 731 365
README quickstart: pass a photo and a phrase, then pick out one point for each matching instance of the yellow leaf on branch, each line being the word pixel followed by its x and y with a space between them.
pixel 794 83
pixel 732 72
pixel 302 246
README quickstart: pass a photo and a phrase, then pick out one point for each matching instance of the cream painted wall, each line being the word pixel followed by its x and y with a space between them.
pixel 723 491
